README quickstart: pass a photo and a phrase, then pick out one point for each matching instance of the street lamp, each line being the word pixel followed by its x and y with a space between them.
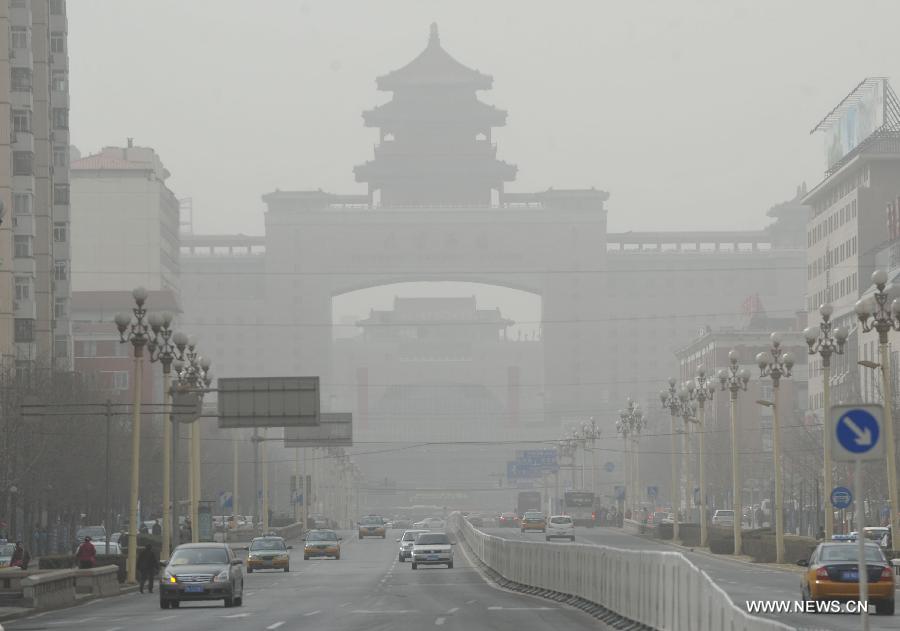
pixel 630 423
pixel 700 390
pixel 590 431
pixel 826 341
pixel 776 365
pixel 735 379
pixel 672 402
pixel 165 347
pixel 136 331
pixel 874 314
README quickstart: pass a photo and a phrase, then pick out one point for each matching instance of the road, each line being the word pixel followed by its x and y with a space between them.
pixel 367 590
pixel 741 581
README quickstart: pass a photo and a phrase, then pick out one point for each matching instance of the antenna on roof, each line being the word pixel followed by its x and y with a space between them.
pixel 433 37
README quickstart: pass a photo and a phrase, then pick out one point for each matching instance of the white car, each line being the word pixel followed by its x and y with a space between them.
pixel 430 523
pixel 406 543
pixel 723 518
pixel 432 548
pixel 560 527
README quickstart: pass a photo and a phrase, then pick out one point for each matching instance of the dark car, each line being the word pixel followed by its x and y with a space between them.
pixel 202 571
pixel 509 520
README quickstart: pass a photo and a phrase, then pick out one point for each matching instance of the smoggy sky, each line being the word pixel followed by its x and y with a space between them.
pixel 692 113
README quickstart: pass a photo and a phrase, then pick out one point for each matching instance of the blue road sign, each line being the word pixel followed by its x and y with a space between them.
pixel 841 497
pixel 652 492
pixel 620 492
pixel 856 432
pixel 610 467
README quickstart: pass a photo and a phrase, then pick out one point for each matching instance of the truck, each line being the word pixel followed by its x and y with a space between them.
pixel 528 500
pixel 579 505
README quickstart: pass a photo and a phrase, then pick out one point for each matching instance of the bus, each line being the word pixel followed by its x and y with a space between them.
pixel 528 500
pixel 579 505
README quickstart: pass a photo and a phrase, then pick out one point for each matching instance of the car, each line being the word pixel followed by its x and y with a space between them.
pixel 268 553
pixel 402 524
pixel 560 527
pixel 406 543
pixel 96 533
pixel 113 547
pixel 202 571
pixel 657 517
pixel 432 548
pixel 668 519
pixel 723 518
pixel 371 526
pixel 6 552
pixel 430 523
pixel 322 543
pixel 534 520
pixel 509 520
pixel 832 574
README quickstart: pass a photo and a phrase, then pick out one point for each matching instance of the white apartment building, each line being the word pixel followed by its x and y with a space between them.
pixel 120 198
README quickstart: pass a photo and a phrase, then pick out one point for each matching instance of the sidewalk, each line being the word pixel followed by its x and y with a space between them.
pixel 8 614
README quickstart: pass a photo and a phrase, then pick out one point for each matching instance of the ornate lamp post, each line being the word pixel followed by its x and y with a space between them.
pixel 590 431
pixel 700 390
pixel 630 424
pixel 165 347
pixel 875 315
pixel 734 380
pixel 671 401
pixel 776 365
pixel 135 330
pixel 826 341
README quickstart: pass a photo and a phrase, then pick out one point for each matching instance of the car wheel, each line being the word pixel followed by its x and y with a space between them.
pixel 305 557
pixel 337 557
pixel 229 602
pixel 175 604
pixel 450 565
pixel 547 538
pixel 249 570
pixel 287 569
pixel 572 538
pixel 163 603
pixel 239 601
pixel 414 566
pixel 400 558
pixel 884 607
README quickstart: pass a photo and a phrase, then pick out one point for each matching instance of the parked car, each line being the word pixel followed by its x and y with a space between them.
pixel 202 571
pixel 560 527
pixel 406 543
pixel 723 518
pixel 432 548
pixel 832 574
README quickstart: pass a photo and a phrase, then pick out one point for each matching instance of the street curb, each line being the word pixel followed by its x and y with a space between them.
pixel 27 612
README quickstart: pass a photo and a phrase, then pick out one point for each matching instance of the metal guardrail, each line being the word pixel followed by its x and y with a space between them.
pixel 659 589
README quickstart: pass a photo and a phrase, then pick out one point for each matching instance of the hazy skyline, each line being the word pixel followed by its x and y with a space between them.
pixel 692 114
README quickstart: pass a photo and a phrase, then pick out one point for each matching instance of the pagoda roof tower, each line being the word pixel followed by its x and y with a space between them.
pixel 435 142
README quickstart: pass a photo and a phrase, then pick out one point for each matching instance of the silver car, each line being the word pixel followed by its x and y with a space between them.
pixel 202 571
pixel 406 543
pixel 432 548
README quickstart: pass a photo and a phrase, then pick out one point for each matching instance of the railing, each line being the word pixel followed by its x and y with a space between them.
pixel 659 589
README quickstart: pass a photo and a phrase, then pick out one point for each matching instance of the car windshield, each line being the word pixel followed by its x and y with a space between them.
pixel 371 521
pixel 432 539
pixel 848 553
pixel 321 535
pixel 560 520
pixel 199 556
pixel 411 535
pixel 267 544
pixel 534 516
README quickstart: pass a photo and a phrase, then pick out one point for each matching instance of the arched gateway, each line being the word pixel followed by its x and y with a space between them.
pixel 436 210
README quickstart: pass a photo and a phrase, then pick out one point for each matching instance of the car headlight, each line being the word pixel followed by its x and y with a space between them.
pixel 221 577
pixel 169 578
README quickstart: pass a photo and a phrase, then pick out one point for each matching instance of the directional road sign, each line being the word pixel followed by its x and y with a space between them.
pixel 610 467
pixel 841 497
pixel 652 492
pixel 856 432
pixel 620 492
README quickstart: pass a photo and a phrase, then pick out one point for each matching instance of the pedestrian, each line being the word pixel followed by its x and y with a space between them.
pixel 147 567
pixel 86 554
pixel 821 534
pixel 157 529
pixel 20 557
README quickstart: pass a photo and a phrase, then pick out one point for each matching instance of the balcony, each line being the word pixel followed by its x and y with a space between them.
pixel 25 309
pixel 25 266
pixel 24 224
pixel 23 141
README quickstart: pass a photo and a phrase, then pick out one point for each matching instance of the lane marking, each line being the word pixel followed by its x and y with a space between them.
pixel 275 626
pixel 162 618
pixel 115 629
pixel 313 613
pixel 387 611
pixel 440 621
pixel 454 610
pixel 471 602
pixel 346 605
pixel 497 608
pixel 237 615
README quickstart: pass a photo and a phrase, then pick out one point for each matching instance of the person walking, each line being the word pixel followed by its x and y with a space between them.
pixel 86 554
pixel 157 528
pixel 147 567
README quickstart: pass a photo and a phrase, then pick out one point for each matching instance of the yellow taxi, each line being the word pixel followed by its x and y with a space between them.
pixel 534 520
pixel 322 543
pixel 832 574
pixel 268 553
pixel 372 526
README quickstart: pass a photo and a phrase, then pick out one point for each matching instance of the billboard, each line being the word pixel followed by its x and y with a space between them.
pixel 268 401
pixel 856 118
pixel 333 430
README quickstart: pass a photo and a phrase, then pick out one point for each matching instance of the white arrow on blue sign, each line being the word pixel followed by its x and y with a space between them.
pixel 856 432
pixel 841 497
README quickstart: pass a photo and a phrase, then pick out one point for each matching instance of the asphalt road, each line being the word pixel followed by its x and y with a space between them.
pixel 367 590
pixel 741 581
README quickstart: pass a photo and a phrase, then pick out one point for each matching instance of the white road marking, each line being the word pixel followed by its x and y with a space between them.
pixel 313 613
pixel 275 626
pixel 346 604
pixel 495 608
pixel 114 629
pixel 440 621
pixel 454 610
pixel 249 593
pixel 161 618
pixel 237 615
pixel 387 611
pixel 471 602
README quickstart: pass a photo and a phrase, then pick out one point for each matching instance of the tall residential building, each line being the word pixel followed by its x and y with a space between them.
pixel 121 193
pixel 37 211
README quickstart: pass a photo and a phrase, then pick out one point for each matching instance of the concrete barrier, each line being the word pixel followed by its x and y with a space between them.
pixel 659 589
pixel 97 581
pixel 49 590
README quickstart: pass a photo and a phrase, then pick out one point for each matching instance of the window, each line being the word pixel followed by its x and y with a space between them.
pixel 19 37
pixel 59 81
pixel 60 307
pixel 21 120
pixel 22 243
pixel 19 4
pixel 60 118
pixel 60 157
pixel 120 380
pixel 61 348
pixel 22 203
pixel 23 288
pixel 56 7
pixel 57 42
pixel 23 163
pixel 61 194
pixel 60 270
pixel 20 79
pixel 60 232
pixel 89 349
pixel 24 330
